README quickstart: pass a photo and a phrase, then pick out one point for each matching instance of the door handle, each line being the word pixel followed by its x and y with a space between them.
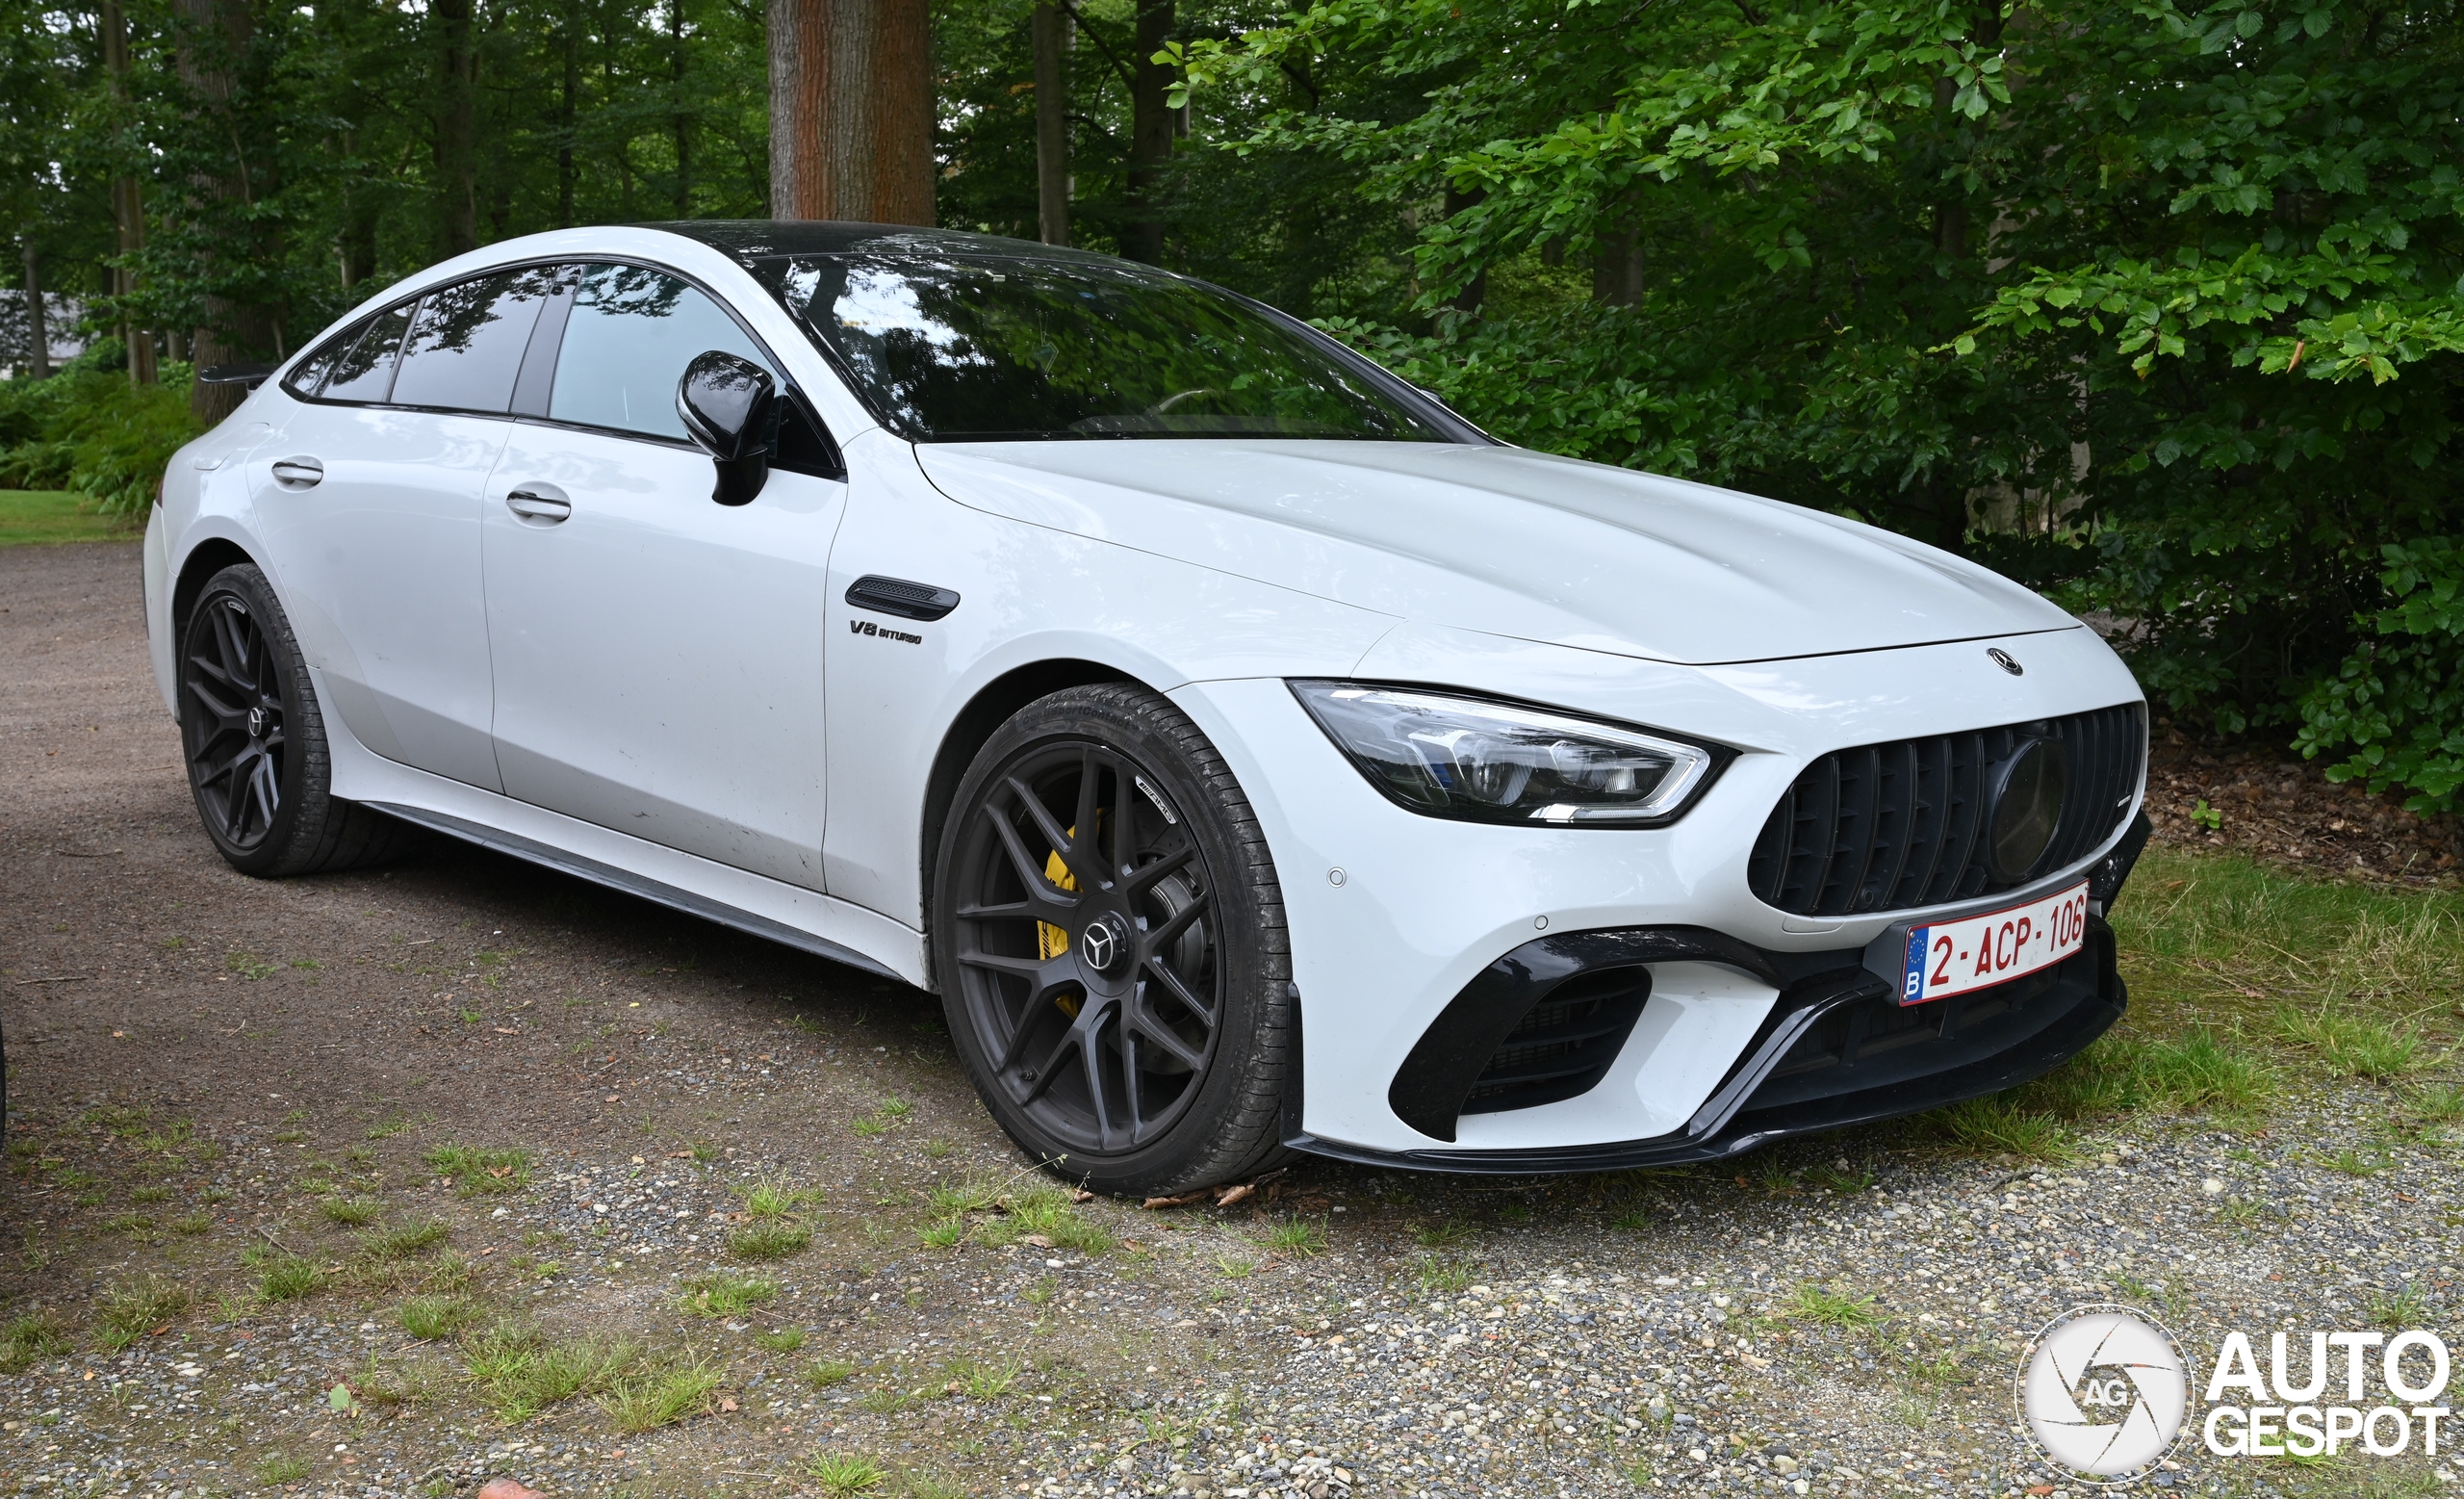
pixel 298 473
pixel 539 503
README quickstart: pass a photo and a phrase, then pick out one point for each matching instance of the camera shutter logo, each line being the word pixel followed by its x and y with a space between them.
pixel 2104 1390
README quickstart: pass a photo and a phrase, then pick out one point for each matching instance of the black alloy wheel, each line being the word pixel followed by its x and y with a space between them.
pixel 234 711
pixel 1109 942
pixel 255 741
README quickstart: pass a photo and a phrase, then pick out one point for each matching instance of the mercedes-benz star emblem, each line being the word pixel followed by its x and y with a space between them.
pixel 2006 660
pixel 1100 944
pixel 256 723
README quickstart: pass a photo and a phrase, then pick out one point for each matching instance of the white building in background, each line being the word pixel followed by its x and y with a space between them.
pixel 60 317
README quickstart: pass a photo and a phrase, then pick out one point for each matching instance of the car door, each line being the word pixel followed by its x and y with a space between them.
pixel 368 503
pixel 657 656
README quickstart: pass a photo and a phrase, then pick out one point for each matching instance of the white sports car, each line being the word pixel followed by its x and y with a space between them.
pixel 1251 754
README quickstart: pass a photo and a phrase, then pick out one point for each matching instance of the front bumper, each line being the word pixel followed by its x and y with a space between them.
pixel 1392 915
pixel 1836 1049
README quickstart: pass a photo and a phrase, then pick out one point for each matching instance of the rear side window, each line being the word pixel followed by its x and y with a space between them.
pixel 632 332
pixel 365 372
pixel 465 348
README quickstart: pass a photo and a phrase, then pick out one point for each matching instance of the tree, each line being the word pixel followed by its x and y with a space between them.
pixel 851 110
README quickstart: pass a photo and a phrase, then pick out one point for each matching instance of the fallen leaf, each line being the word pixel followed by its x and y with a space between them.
pixel 1083 1195
pixel 1183 1199
pixel 1231 1195
pixel 507 1031
pixel 1037 1240
pixel 499 1171
pixel 727 1403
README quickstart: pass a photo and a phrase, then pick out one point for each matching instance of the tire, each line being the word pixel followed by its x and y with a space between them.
pixel 1128 1030
pixel 254 740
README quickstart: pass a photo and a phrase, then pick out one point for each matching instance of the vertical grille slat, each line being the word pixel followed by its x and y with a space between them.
pixel 1898 826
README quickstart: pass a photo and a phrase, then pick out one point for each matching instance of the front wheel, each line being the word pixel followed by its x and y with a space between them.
pixel 1110 943
pixel 255 741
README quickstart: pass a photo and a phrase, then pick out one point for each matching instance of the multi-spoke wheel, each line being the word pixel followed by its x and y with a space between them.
pixel 1109 941
pixel 255 743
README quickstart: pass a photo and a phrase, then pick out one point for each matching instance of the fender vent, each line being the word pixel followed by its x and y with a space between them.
pixel 900 597
pixel 1894 827
pixel 1562 1048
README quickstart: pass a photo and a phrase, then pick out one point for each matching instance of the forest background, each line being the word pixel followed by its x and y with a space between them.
pixel 2158 307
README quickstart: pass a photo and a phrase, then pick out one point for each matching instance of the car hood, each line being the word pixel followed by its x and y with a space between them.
pixel 1504 541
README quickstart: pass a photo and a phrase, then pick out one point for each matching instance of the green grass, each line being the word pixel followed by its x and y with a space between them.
pixel 2221 940
pixel 647 1402
pixel 431 1317
pixel 723 1295
pixel 840 1474
pixel 353 1211
pixel 1443 1274
pixel 475 1171
pixel 1295 1239
pixel 1832 1307
pixel 32 1336
pixel 385 1246
pixel 282 1468
pixel 781 1341
pixel 2002 1125
pixel 524 1371
pixel 289 1278
pixel 769 1239
pixel 982 1380
pixel 41 517
pixel 1046 1213
pixel 778 1197
pixel 824 1373
pixel 128 1312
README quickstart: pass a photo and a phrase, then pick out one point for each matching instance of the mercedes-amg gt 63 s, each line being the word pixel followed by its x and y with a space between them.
pixel 1251 754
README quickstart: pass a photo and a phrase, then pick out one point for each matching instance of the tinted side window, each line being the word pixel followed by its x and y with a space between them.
pixel 467 346
pixel 367 372
pixel 632 332
pixel 310 371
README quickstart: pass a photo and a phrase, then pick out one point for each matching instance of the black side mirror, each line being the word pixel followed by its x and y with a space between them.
pixel 731 411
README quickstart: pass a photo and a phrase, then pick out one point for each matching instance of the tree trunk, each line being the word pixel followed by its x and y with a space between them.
pixel 458 170
pixel 1051 31
pixel 1617 270
pixel 565 124
pixel 215 36
pixel 682 120
pixel 1151 133
pixel 37 328
pixel 128 210
pixel 356 244
pixel 851 110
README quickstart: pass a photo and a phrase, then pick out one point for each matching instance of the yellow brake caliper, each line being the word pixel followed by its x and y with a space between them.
pixel 1051 941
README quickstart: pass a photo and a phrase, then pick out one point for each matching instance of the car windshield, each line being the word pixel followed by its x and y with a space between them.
pixel 981 349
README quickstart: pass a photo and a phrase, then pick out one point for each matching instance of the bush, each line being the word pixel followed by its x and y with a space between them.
pixel 2398 701
pixel 88 429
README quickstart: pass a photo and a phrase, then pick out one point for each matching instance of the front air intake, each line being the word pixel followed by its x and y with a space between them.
pixel 1563 1045
pixel 1894 827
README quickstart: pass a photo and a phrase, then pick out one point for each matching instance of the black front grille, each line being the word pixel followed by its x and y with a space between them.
pixel 1563 1047
pixel 1889 827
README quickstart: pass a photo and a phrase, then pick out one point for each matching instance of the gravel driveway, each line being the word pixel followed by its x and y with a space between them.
pixel 617 1161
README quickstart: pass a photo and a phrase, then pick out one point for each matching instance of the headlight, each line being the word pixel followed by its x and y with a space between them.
pixel 1461 757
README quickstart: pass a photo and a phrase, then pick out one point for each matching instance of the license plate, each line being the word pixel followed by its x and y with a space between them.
pixel 1980 951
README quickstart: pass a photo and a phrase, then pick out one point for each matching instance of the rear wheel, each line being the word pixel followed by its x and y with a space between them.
pixel 255 741
pixel 1109 937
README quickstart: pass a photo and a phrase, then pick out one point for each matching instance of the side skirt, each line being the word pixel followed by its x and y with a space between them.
pixel 632 883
